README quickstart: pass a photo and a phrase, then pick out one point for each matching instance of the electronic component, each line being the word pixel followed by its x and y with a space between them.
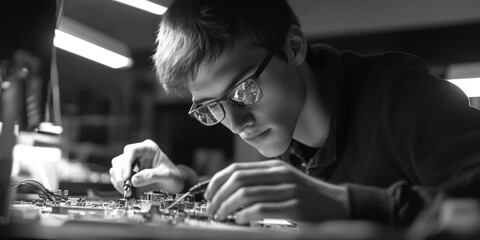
pixel 198 188
pixel 157 207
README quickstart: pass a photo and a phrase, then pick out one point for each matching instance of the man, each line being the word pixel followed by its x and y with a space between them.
pixel 347 136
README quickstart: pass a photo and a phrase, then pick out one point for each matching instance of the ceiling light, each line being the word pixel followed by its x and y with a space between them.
pixel 89 50
pixel 466 76
pixel 84 41
pixel 471 86
pixel 145 5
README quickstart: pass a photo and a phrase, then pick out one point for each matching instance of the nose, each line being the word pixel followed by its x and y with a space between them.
pixel 237 119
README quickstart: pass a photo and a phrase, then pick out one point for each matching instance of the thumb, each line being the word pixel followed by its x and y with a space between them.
pixel 162 178
pixel 145 177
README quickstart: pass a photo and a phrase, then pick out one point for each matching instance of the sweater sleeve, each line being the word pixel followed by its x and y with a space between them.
pixel 399 204
pixel 431 135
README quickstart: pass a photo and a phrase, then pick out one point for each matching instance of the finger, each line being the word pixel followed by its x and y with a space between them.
pixel 115 182
pixel 276 210
pixel 116 173
pixel 163 179
pixel 144 177
pixel 141 150
pixel 222 176
pixel 255 194
pixel 117 167
pixel 116 176
pixel 249 177
pixel 118 184
pixel 130 153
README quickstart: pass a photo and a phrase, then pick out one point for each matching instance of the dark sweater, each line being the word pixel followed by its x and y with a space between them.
pixel 399 136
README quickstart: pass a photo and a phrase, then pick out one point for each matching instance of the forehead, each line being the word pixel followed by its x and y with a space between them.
pixel 215 77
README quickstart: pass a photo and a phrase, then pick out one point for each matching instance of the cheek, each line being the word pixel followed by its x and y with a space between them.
pixel 279 110
pixel 284 96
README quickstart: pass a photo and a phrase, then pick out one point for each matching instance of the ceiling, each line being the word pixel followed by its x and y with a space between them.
pixel 440 31
pixel 133 26
pixel 319 18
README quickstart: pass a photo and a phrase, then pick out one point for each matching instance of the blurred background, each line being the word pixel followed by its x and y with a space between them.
pixel 102 108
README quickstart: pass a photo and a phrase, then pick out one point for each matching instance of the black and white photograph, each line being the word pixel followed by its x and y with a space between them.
pixel 240 119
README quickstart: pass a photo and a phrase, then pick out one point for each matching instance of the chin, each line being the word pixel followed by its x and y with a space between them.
pixel 269 154
pixel 274 149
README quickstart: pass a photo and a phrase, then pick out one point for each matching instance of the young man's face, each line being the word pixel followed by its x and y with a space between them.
pixel 269 124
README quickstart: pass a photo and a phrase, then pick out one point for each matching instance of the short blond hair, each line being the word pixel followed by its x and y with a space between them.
pixel 192 31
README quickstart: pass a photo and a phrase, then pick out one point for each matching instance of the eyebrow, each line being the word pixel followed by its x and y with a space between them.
pixel 236 79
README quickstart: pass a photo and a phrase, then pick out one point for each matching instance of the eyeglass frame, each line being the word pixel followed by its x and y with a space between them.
pixel 253 77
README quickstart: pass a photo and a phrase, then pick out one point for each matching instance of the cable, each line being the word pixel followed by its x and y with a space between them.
pixel 30 182
pixel 37 188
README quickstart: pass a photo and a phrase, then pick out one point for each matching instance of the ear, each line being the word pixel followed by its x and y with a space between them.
pixel 297 44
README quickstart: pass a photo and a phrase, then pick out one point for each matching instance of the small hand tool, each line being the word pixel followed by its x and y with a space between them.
pixel 127 185
pixel 196 189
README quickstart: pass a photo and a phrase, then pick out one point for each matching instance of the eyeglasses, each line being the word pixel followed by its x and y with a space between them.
pixel 243 94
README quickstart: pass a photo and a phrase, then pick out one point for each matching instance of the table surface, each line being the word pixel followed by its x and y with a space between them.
pixel 52 226
pixel 451 219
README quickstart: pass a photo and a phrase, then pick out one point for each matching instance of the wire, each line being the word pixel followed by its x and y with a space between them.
pixel 37 188
pixel 31 182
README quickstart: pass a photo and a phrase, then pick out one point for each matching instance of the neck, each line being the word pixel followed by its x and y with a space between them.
pixel 313 125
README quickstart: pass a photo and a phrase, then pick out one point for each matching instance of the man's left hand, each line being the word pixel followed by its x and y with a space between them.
pixel 274 189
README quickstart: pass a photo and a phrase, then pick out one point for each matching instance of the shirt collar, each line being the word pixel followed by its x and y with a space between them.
pixel 327 66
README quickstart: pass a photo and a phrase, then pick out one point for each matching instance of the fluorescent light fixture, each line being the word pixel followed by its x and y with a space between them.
pixel 466 76
pixel 89 50
pixel 145 5
pixel 471 86
pixel 87 42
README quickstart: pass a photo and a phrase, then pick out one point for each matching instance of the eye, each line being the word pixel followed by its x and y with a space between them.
pixel 245 94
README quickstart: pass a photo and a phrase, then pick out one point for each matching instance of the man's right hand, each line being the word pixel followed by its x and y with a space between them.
pixel 155 168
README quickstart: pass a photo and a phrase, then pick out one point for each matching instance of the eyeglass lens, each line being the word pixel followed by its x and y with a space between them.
pixel 244 95
pixel 209 114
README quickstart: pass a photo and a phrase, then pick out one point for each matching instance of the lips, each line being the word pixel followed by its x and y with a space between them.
pixel 254 137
